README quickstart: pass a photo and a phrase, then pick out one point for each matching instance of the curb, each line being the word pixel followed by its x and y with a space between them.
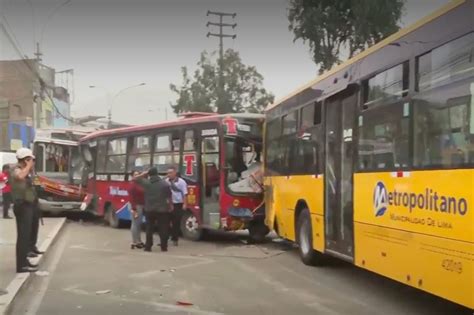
pixel 21 278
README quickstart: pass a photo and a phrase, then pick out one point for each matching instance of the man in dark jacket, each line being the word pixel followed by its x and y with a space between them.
pixel 158 206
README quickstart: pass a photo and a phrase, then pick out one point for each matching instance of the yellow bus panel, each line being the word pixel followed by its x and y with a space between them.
pixel 418 228
pixel 286 192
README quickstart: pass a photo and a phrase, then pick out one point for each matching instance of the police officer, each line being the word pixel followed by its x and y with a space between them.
pixel 24 200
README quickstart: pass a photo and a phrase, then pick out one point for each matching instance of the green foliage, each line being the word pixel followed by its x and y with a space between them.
pixel 332 26
pixel 242 87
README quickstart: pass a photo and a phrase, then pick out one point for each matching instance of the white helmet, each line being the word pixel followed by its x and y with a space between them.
pixel 24 153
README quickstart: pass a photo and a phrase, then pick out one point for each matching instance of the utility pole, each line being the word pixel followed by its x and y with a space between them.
pixel 221 102
pixel 38 53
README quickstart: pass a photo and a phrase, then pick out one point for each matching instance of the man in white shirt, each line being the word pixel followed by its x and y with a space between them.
pixel 179 192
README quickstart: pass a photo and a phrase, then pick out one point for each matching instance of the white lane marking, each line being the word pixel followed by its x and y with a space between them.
pixel 160 306
pixel 38 296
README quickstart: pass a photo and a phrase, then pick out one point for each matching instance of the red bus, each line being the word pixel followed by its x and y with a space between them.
pixel 218 156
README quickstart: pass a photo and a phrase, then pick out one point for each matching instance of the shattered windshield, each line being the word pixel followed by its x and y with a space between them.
pixel 243 166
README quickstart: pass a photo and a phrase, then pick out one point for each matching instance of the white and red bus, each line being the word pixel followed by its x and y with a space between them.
pixel 218 156
pixel 59 168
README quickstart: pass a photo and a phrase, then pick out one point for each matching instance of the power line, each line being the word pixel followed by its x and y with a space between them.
pixel 11 37
pixel 221 102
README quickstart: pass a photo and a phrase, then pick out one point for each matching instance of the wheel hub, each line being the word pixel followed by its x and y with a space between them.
pixel 191 224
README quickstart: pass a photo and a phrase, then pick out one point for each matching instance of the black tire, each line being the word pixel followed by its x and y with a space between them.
pixel 190 227
pixel 304 238
pixel 111 218
pixel 258 231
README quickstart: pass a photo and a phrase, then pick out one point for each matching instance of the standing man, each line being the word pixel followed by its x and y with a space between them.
pixel 179 192
pixel 6 190
pixel 158 206
pixel 24 200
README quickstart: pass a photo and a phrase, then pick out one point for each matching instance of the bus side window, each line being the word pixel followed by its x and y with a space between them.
pixel 164 157
pixel 116 156
pixel 383 125
pixel 140 154
pixel 186 171
pixel 101 155
pixel 443 108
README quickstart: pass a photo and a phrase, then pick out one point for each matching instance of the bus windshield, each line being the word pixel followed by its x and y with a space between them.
pixel 243 165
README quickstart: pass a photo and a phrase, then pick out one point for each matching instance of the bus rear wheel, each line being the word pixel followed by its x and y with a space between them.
pixel 190 227
pixel 304 238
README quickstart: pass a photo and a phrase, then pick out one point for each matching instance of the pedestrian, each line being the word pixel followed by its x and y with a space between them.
pixel 179 192
pixel 24 199
pixel 137 201
pixel 6 190
pixel 158 206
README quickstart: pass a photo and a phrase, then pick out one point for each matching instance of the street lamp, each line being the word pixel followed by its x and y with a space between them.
pixel 110 100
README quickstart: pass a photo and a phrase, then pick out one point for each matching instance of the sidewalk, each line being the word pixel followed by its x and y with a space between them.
pixel 9 279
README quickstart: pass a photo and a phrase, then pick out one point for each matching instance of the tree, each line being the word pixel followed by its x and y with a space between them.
pixel 243 87
pixel 343 25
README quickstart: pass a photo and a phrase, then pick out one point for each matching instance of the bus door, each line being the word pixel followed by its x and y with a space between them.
pixel 340 120
pixel 210 177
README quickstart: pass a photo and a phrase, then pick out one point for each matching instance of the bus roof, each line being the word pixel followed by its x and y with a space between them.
pixel 193 119
pixel 64 136
pixel 390 39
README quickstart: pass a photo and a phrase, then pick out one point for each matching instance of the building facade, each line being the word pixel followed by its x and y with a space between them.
pixel 29 99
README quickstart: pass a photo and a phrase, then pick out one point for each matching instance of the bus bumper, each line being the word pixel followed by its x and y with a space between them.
pixel 58 206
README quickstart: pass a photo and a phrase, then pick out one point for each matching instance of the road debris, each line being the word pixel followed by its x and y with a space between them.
pixel 182 303
pixel 102 292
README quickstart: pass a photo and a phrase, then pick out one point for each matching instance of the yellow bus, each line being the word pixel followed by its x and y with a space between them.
pixel 373 161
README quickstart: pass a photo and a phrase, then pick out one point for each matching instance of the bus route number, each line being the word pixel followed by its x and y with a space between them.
pixel 452 265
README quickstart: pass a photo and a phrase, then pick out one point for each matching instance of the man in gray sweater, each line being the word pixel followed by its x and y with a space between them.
pixel 158 205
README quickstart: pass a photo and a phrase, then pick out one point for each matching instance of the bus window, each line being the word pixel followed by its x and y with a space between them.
pixel 77 166
pixel 164 157
pixel 186 171
pixel 383 138
pixel 384 123
pixel 243 166
pixel 444 123
pixel 116 155
pixel 273 148
pixel 101 155
pixel 210 160
pixel 289 123
pixel 39 154
pixel 389 85
pixel 140 154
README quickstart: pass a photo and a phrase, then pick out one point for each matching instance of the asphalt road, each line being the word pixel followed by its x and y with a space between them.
pixel 92 270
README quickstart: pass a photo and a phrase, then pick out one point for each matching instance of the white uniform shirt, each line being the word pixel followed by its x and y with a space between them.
pixel 178 196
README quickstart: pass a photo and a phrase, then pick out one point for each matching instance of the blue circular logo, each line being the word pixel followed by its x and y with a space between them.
pixel 380 200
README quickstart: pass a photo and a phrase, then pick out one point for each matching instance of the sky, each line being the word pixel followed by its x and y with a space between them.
pixel 114 44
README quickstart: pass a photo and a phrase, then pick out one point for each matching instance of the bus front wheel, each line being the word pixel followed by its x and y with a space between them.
pixel 257 231
pixel 304 238
pixel 190 227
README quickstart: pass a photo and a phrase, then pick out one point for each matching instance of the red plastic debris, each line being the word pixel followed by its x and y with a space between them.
pixel 184 303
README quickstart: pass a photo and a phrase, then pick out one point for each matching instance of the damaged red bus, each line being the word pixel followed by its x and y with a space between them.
pixel 219 156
